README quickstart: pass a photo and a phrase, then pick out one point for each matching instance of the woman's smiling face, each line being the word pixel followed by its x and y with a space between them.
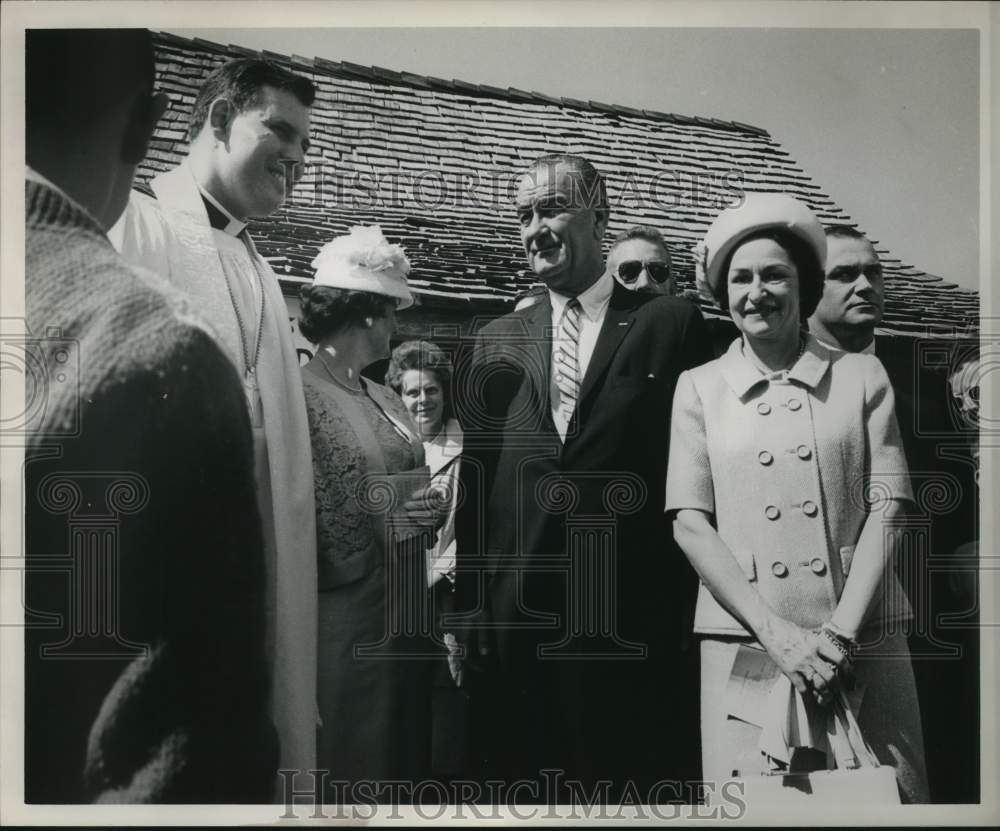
pixel 423 396
pixel 763 287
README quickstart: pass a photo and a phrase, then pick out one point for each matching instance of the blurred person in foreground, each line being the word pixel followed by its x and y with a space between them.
pixel 249 132
pixel 375 519
pixel 145 675
pixel 786 472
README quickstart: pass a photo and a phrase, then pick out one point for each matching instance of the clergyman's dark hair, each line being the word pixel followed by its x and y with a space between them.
pixel 240 81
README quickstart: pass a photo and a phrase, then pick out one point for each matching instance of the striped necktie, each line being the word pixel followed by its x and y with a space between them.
pixel 567 361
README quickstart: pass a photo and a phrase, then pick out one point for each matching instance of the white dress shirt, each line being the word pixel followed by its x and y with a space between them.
pixel 833 347
pixel 445 447
pixel 593 307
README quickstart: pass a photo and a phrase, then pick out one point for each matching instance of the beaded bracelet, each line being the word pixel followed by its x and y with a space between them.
pixel 844 645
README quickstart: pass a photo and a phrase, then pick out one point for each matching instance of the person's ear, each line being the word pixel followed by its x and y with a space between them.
pixel 601 217
pixel 221 113
pixel 143 116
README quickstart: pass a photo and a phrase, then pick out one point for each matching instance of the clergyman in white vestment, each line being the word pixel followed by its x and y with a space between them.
pixel 250 126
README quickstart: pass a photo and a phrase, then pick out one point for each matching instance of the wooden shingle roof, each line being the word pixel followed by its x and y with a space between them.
pixel 433 162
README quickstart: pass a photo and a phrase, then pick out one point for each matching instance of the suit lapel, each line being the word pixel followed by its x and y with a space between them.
pixel 617 322
pixel 539 332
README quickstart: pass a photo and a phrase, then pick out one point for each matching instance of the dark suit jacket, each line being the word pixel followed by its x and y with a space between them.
pixel 943 642
pixel 564 548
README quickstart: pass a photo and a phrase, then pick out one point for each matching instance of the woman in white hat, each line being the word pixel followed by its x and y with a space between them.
pixel 373 524
pixel 786 471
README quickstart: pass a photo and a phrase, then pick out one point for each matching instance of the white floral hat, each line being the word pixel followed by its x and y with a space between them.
pixel 364 260
pixel 757 212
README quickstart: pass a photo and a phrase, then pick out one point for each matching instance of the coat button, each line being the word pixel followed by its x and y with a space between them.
pixel 803 452
pixel 771 512
pixel 794 404
pixel 809 508
pixel 765 458
pixel 763 408
pixel 779 569
pixel 818 566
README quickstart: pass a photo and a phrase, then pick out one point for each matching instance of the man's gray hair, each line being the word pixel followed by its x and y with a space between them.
pixel 646 232
pixel 593 192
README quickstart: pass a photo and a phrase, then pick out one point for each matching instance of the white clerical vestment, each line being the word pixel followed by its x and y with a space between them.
pixel 235 291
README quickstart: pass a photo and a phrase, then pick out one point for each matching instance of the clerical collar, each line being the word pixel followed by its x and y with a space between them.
pixel 218 217
pixel 833 347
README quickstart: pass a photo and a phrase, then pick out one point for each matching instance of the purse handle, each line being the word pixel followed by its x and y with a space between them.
pixel 849 746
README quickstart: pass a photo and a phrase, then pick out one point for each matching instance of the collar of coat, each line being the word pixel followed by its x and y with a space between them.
pixel 742 376
pixel 449 440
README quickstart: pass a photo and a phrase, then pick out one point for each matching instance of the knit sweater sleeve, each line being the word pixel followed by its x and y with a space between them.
pixel 177 709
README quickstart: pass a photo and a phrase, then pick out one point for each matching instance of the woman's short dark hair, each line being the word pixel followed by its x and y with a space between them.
pixel 421 355
pixel 807 265
pixel 325 310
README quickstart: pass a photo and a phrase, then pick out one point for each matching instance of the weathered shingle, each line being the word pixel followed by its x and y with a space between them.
pixel 433 161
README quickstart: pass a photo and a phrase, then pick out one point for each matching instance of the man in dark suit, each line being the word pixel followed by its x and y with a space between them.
pixel 943 639
pixel 576 595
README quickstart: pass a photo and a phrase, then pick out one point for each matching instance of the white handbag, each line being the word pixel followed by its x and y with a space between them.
pixel 858 779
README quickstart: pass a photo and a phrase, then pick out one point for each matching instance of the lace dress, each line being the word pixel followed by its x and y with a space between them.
pixel 374 690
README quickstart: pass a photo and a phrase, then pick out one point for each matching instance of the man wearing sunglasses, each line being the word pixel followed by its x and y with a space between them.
pixel 640 261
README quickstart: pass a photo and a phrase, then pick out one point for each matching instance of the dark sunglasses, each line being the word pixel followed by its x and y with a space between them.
pixel 629 271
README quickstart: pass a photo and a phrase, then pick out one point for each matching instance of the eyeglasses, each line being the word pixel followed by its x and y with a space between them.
pixel 629 271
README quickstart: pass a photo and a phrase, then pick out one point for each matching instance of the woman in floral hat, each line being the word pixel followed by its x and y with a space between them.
pixel 375 520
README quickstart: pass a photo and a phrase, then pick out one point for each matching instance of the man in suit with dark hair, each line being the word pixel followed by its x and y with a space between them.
pixel 566 567
pixel 944 655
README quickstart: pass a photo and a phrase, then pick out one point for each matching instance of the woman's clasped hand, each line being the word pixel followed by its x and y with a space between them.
pixel 810 658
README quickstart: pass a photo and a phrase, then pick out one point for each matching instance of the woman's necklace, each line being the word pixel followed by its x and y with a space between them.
pixel 250 386
pixel 333 376
pixel 778 372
